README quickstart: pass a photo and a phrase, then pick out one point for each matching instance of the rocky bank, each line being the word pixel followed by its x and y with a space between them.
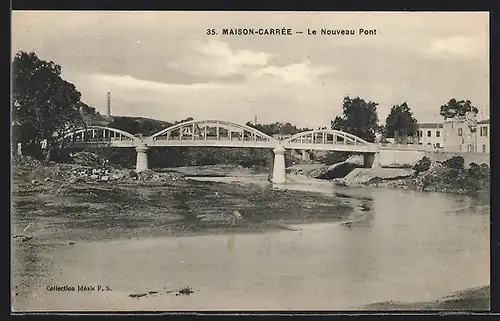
pixel 83 167
pixel 449 176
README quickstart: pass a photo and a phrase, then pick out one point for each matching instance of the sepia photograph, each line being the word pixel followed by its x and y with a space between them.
pixel 237 161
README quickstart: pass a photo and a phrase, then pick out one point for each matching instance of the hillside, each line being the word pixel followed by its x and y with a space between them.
pixel 133 125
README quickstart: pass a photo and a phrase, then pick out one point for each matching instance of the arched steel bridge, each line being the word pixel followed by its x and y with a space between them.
pixel 218 133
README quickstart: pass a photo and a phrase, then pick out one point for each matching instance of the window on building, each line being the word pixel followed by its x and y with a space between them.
pixel 483 131
pixel 419 133
pixel 460 132
pixel 484 148
pixel 429 134
pixel 463 141
pixel 438 133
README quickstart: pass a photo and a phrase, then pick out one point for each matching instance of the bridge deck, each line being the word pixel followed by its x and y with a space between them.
pixel 333 147
pixel 226 143
pixel 211 143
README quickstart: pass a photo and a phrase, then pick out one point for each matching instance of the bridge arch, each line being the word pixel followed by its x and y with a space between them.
pixel 326 136
pixel 201 129
pixel 103 129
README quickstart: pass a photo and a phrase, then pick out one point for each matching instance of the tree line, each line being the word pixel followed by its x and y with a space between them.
pixel 44 106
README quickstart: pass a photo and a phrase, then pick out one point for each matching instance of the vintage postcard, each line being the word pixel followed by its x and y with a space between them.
pixel 250 161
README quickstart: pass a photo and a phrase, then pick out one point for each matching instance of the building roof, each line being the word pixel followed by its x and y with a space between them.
pixel 486 121
pixel 429 125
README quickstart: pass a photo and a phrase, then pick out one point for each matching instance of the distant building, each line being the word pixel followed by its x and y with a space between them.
pixel 483 137
pixel 461 136
pixel 453 136
pixel 429 134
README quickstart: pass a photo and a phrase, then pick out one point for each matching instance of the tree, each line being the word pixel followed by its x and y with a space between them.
pixel 44 106
pixel 184 120
pixel 382 130
pixel 87 110
pixel 457 110
pixel 400 121
pixel 277 128
pixel 359 118
pixel 149 127
pixel 127 124
pixel 89 114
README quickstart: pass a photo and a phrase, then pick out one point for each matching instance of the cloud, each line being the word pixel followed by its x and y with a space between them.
pixel 131 83
pixel 457 47
pixel 217 59
pixel 304 72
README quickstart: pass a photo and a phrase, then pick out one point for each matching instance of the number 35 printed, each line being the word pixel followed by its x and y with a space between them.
pixel 211 32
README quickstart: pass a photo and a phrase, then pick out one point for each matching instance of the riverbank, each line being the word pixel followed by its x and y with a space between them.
pixel 73 202
pixel 450 176
pixel 51 197
pixel 475 299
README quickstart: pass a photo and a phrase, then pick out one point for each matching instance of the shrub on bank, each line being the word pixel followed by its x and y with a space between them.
pixel 449 176
pixel 422 165
pixel 456 162
pixel 479 171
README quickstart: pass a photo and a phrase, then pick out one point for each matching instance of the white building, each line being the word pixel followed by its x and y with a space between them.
pixel 454 136
pixel 429 134
pixel 460 137
pixel 483 136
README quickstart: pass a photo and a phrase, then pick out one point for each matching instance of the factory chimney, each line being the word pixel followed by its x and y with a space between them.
pixel 108 110
pixel 255 122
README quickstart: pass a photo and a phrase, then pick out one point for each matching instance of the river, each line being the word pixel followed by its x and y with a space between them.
pixel 409 246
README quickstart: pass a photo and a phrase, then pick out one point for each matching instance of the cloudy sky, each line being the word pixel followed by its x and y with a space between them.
pixel 163 65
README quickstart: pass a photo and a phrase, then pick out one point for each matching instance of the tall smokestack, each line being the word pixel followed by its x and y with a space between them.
pixel 108 110
pixel 255 122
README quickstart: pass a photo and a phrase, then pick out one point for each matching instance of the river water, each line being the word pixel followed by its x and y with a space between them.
pixel 410 246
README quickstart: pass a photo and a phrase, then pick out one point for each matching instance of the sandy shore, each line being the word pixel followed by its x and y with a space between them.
pixel 475 299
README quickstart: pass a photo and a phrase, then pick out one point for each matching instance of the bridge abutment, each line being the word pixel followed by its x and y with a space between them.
pixel 371 160
pixel 142 158
pixel 279 165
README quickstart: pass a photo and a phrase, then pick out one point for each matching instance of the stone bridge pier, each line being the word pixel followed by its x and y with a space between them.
pixel 371 160
pixel 142 158
pixel 279 165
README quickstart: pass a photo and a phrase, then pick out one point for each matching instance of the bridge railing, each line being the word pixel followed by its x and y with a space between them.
pixel 234 137
pixel 211 130
pixel 96 135
pixel 326 137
